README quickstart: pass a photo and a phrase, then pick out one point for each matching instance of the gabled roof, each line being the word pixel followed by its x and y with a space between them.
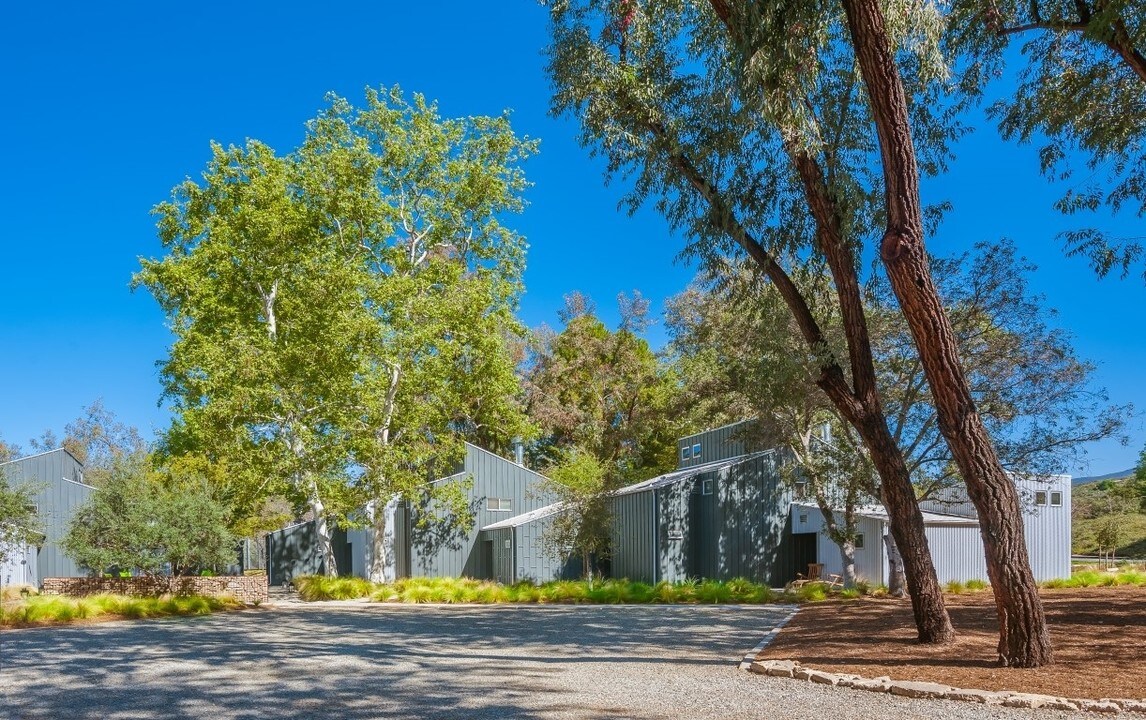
pixel 45 452
pixel 688 473
pixel 526 518
pixel 878 512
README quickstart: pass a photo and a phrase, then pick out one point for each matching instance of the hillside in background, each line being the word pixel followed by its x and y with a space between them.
pixel 1112 504
pixel 1122 474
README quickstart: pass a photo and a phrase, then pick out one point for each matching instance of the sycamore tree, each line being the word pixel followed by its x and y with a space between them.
pixel 267 314
pixel 420 202
pixel 343 313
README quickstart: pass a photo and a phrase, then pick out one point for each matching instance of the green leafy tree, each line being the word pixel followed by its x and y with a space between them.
pixel 603 392
pixel 584 524
pixel 133 522
pixel 1081 94
pixel 344 313
pixel 19 523
pixel 422 202
pixel 738 350
pixel 774 168
pixel 8 451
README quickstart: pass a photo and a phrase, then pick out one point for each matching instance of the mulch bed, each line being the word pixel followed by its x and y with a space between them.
pixel 1098 635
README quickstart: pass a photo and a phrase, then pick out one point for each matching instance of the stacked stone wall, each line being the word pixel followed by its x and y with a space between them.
pixel 247 589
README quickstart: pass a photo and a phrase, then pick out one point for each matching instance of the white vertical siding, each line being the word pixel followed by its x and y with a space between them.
pixel 957 551
pixel 869 558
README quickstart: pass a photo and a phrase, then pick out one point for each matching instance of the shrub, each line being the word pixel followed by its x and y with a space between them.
pixel 320 587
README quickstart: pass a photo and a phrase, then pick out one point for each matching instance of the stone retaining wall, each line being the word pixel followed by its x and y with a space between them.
pixel 247 589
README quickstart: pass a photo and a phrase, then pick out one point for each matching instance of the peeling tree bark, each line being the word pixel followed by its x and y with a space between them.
pixel 1023 641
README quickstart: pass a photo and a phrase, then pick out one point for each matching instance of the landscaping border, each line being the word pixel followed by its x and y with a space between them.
pixel 937 691
pixel 750 657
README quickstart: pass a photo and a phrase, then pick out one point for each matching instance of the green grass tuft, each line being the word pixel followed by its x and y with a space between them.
pixel 50 609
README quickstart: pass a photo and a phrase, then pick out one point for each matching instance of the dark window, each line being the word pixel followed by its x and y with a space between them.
pixel 706 487
pixel 685 453
pixel 1040 497
pixel 1056 498
pixel 696 450
pixel 859 541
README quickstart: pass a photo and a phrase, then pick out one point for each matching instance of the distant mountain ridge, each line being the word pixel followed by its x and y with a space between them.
pixel 1098 478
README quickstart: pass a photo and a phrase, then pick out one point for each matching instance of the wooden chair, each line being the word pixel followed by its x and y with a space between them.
pixel 815 574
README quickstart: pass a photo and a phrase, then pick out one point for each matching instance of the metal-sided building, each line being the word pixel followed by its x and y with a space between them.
pixel 57 479
pixel 721 519
pixel 518 549
pixel 951 525
pixel 497 489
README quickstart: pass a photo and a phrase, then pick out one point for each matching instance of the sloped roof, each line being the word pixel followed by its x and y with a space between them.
pixel 687 473
pixel 525 518
pixel 878 512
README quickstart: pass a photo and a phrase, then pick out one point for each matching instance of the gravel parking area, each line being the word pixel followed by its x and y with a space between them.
pixel 359 660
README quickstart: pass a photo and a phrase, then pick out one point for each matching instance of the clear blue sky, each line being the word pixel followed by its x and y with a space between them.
pixel 110 105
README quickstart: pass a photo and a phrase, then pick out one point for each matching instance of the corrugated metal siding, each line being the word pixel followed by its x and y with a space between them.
pixel 1047 528
pixel 957 552
pixel 535 559
pixel 743 528
pixel 716 444
pixel 869 559
pixel 456 553
pixel 59 492
pixel 293 552
pixel 634 537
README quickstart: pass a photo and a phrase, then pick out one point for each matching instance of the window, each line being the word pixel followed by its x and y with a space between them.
pixel 685 453
pixel 859 541
pixel 1040 497
pixel 706 487
pixel 1056 498
pixel 499 504
pixel 696 451
pixel 803 518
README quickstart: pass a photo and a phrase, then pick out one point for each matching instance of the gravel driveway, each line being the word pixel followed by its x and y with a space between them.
pixel 364 661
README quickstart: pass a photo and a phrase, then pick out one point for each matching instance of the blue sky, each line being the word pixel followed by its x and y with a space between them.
pixel 109 106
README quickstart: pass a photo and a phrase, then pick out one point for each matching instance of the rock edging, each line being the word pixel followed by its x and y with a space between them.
pixel 937 691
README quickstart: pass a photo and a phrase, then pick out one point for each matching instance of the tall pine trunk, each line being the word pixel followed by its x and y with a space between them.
pixel 1023 638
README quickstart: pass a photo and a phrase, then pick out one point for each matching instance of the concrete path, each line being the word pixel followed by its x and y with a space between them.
pixel 353 660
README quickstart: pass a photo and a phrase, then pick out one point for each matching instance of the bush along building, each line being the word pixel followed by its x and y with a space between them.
pixel 724 512
pixel 56 478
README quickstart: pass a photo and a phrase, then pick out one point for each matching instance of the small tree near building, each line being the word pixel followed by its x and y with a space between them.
pixel 584 524
pixel 134 523
pixel 19 523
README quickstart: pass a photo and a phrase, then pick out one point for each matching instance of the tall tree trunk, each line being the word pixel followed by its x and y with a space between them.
pixel 1023 640
pixel 862 410
pixel 381 543
pixel 322 531
pixel 895 576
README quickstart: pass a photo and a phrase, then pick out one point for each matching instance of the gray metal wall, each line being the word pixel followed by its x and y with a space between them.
pixel 442 553
pixel 720 443
pixel 534 559
pixel 294 551
pixel 743 529
pixel 59 491
pixel 633 538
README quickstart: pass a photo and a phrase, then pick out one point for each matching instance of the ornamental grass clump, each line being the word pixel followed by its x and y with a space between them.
pixel 52 609
pixel 321 587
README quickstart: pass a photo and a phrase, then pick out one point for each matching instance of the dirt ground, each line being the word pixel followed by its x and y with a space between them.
pixel 1098 635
